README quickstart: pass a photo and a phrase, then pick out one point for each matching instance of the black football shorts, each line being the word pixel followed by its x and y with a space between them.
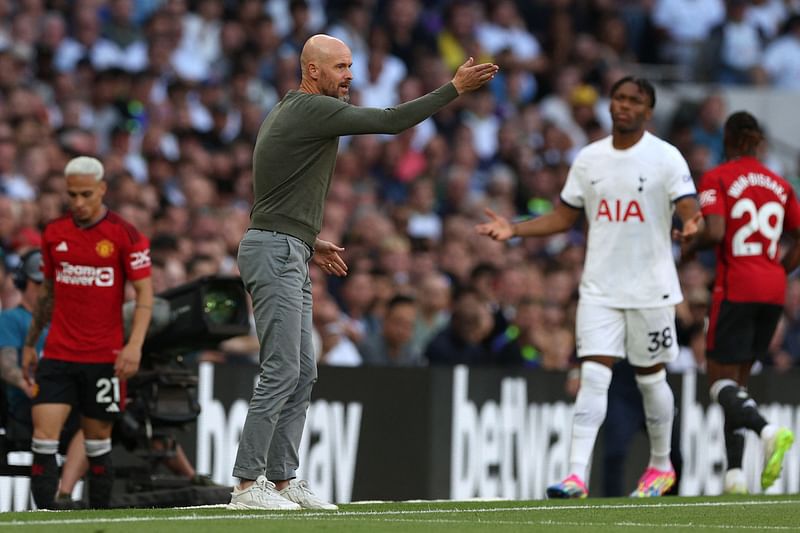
pixel 91 388
pixel 740 332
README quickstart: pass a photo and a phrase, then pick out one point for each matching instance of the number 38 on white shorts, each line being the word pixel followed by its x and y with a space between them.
pixel 645 336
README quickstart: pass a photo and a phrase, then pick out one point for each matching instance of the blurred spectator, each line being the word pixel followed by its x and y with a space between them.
pixel 410 41
pixel 482 122
pixel 690 318
pixel 358 297
pixel 464 339
pixel 283 12
pixel 334 348
pixel 732 54
pixel 434 297
pixel 12 183
pixel 458 40
pixel 352 26
pixel 382 72
pixel 684 25
pixel 391 344
pixel 200 30
pixel 86 41
pixel 423 221
pixel 785 346
pixel 767 16
pixel 781 56
pixel 530 342
pixel 516 50
pixel 120 27
pixel 707 129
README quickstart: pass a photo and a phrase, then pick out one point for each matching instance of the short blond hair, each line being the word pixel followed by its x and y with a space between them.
pixel 85 165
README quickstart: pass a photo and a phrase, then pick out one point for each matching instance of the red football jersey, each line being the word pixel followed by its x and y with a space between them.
pixel 758 206
pixel 89 267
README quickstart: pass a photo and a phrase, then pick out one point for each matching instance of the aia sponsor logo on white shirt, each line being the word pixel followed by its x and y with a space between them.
pixel 619 211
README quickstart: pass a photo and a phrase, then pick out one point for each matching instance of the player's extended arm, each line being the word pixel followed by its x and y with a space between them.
pixel 127 363
pixel 42 314
pixel 699 232
pixel 559 219
pixel 710 232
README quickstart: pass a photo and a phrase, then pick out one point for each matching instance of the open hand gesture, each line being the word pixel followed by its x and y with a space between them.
pixel 498 228
pixel 326 256
pixel 470 76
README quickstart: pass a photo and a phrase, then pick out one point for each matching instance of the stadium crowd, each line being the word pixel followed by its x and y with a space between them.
pixel 170 94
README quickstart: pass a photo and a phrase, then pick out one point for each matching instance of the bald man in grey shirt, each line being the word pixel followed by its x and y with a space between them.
pixel 293 162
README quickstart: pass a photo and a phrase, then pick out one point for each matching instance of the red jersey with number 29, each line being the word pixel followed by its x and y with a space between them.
pixel 89 267
pixel 758 206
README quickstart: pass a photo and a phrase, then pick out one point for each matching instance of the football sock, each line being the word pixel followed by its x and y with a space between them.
pixel 44 472
pixel 768 432
pixel 659 411
pixel 741 411
pixel 590 411
pixel 734 446
pixel 101 474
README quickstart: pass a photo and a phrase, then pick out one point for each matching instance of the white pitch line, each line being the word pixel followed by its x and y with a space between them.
pixel 267 515
pixel 688 525
pixel 571 507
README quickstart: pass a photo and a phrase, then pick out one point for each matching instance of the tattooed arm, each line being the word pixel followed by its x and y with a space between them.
pixel 41 317
pixel 10 370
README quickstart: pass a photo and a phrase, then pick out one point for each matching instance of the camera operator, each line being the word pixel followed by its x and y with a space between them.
pixel 87 257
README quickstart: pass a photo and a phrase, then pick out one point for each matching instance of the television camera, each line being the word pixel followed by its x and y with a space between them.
pixel 162 395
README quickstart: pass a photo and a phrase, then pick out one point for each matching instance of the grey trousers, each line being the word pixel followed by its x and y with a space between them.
pixel 274 269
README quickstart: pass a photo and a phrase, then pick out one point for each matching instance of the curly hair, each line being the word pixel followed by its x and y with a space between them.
pixel 742 135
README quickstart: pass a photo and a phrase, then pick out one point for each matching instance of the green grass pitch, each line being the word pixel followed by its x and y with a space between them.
pixel 674 514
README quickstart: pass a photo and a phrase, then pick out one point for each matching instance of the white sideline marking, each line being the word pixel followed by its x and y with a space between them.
pixel 301 515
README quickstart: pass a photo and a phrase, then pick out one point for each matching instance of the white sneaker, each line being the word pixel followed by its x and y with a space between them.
pixel 260 495
pixel 735 482
pixel 298 492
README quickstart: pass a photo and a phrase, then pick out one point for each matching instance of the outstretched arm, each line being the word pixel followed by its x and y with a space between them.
pixel 345 119
pixel 699 232
pixel 500 228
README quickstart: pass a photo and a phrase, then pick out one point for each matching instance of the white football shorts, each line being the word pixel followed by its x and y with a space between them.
pixel 645 336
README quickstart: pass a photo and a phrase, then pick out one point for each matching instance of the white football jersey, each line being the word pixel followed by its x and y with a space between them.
pixel 627 196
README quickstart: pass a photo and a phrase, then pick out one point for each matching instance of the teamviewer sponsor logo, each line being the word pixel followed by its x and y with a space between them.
pixel 140 259
pixel 85 275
